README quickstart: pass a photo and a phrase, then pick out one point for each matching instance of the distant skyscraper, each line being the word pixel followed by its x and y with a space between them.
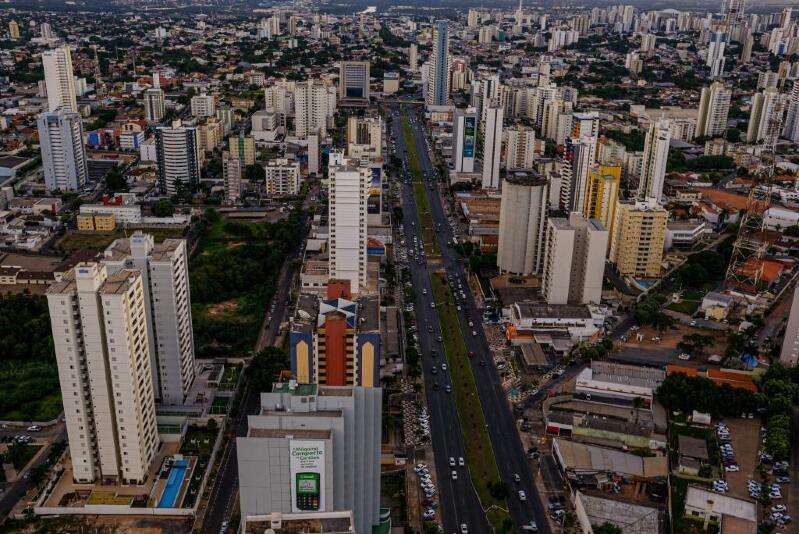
pixel 231 177
pixel 59 79
pixel 578 157
pixel 522 223
pixel 789 355
pixel 638 237
pixel 520 148
pixel 574 262
pixel 715 54
pixel 602 195
pixel 656 154
pixel 101 343
pixel 46 31
pixel 465 131
pixel 203 106
pixel 791 128
pixel 178 153
pixel 154 104
pixel 63 154
pixel 13 30
pixel 165 278
pixel 438 82
pixel 747 44
pixel 492 147
pixel 413 57
pixel 714 108
pixel 353 82
pixel 765 117
pixel 311 108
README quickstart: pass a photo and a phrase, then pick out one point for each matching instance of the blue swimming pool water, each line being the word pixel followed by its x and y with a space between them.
pixel 172 488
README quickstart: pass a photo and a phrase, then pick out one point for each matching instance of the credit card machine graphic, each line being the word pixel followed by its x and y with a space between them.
pixel 308 491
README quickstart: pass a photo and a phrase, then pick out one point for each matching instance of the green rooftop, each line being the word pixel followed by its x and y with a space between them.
pixel 299 389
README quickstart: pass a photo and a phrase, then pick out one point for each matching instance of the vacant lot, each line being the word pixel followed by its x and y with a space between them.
pixel 74 242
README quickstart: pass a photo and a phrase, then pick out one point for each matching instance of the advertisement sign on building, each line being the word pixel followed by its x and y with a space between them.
pixel 307 469
pixel 468 136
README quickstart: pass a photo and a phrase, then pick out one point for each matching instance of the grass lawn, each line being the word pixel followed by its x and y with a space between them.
pixel 74 241
pixel 687 307
pixel 29 391
pixel 479 452
pixel 423 212
pixel 27 452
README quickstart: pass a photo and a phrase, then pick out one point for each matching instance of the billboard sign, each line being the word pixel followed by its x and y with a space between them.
pixel 469 127
pixel 307 469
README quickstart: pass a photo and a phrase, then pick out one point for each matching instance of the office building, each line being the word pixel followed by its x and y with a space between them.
pixel 492 146
pixel 335 341
pixel 313 449
pixel 349 187
pixel 574 260
pixel 59 79
pixel 353 82
pixel 102 350
pixel 232 178
pixel 311 108
pixel 789 355
pixel 579 155
pixel 13 30
pixel 639 233
pixel 765 117
pixel 465 131
pixel 714 108
pixel 656 154
pixel 522 223
pixel 365 137
pixel 242 147
pixel 178 157
pixel 154 104
pixel 520 148
pixel 602 195
pixel 63 155
pixel 282 177
pixel 203 106
pixel 438 77
pixel 165 280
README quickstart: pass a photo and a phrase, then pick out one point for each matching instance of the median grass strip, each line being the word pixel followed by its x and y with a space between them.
pixel 479 452
pixel 423 212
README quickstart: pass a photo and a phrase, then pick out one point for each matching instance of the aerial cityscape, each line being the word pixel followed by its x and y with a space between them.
pixel 306 267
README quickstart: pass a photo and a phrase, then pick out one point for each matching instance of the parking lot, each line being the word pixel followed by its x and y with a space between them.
pixel 745 437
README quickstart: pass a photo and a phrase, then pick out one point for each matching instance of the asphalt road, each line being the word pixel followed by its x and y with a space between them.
pixel 224 492
pixel 458 502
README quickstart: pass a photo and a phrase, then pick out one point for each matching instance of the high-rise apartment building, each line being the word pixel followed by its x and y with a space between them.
pixel 715 54
pixel 522 223
pixel 154 109
pixel 579 155
pixel 349 187
pixel 714 108
pixel 242 147
pixel 203 105
pixel 639 233
pixel 438 80
pixel 13 30
pixel 178 157
pixel 63 154
pixel 602 195
pixel 465 131
pixel 789 355
pixel 282 177
pixel 313 449
pixel 520 148
pixel 165 278
pixel 365 136
pixel 656 154
pixel 791 128
pixel 311 108
pixel 99 324
pixel 413 57
pixel 59 79
pixel 492 146
pixel 765 117
pixel 574 261
pixel 46 31
pixel 231 177
pixel 353 82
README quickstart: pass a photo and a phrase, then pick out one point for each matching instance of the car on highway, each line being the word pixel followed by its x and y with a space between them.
pixel 448 389
pixel 474 333
pixel 451 461
pixel 443 366
pixel 461 461
pixel 522 495
pixel 34 428
pixel 464 528
pixel 516 477
pixel 454 475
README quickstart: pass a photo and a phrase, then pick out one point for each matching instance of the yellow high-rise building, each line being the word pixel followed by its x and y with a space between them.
pixel 242 148
pixel 602 195
pixel 638 236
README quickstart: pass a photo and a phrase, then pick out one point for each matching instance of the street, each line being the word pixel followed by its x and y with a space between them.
pixel 511 457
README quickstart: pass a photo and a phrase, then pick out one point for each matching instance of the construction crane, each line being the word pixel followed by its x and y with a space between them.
pixel 745 270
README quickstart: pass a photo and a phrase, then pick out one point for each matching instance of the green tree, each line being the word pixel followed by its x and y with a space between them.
pixel 163 208
pixel 266 366
pixel 606 528
pixel 115 182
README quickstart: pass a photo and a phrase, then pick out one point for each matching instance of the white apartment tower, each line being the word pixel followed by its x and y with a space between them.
pixel 656 154
pixel 203 106
pixel 282 177
pixel 311 108
pixel 574 263
pixel 791 128
pixel 492 146
pixel 231 178
pixel 102 350
pixel 765 117
pixel 349 193
pixel 579 156
pixel 522 223
pixel 154 104
pixel 714 108
pixel 165 278
pixel 789 355
pixel 519 148
pixel 178 156
pixel 715 54
pixel 63 154
pixel 59 79
pixel 465 146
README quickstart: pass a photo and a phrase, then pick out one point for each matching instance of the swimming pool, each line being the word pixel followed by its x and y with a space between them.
pixel 173 483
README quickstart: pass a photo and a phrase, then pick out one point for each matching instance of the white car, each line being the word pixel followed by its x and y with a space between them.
pixel 460 461
pixel 454 475
pixel 464 528
pixel 34 428
pixel 522 495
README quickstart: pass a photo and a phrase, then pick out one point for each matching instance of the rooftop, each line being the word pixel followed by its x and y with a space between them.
pixel 724 505
pixel 288 433
pixel 537 310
